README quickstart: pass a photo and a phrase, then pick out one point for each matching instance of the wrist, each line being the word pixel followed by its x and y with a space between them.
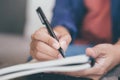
pixel 61 29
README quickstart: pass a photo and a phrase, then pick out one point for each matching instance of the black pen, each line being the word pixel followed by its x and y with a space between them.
pixel 47 24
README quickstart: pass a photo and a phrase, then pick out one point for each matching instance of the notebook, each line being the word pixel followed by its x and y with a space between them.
pixel 69 64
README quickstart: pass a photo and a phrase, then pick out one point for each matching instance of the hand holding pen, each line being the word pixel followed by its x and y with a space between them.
pixel 44 46
pixel 48 26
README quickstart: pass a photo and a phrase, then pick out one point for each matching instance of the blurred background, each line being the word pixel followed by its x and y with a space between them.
pixel 18 20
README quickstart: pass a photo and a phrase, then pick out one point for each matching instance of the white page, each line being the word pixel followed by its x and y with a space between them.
pixel 46 66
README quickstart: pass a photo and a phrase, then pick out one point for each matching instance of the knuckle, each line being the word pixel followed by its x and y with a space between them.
pixel 37 32
pixel 50 40
pixel 39 45
pixel 34 35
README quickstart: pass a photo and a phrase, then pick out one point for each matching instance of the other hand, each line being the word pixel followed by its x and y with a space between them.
pixel 106 56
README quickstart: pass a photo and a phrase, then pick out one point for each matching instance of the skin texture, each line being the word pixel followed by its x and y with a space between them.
pixel 106 57
pixel 44 47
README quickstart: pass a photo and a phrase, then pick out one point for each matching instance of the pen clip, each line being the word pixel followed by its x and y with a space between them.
pixel 40 18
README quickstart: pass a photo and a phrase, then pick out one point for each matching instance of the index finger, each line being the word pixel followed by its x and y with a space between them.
pixel 43 36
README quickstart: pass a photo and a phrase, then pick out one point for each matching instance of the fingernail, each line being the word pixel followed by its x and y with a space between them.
pixel 63 44
pixel 90 52
pixel 60 56
pixel 56 45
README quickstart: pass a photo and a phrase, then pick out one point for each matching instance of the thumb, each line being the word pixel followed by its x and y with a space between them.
pixel 93 52
pixel 64 36
pixel 65 41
